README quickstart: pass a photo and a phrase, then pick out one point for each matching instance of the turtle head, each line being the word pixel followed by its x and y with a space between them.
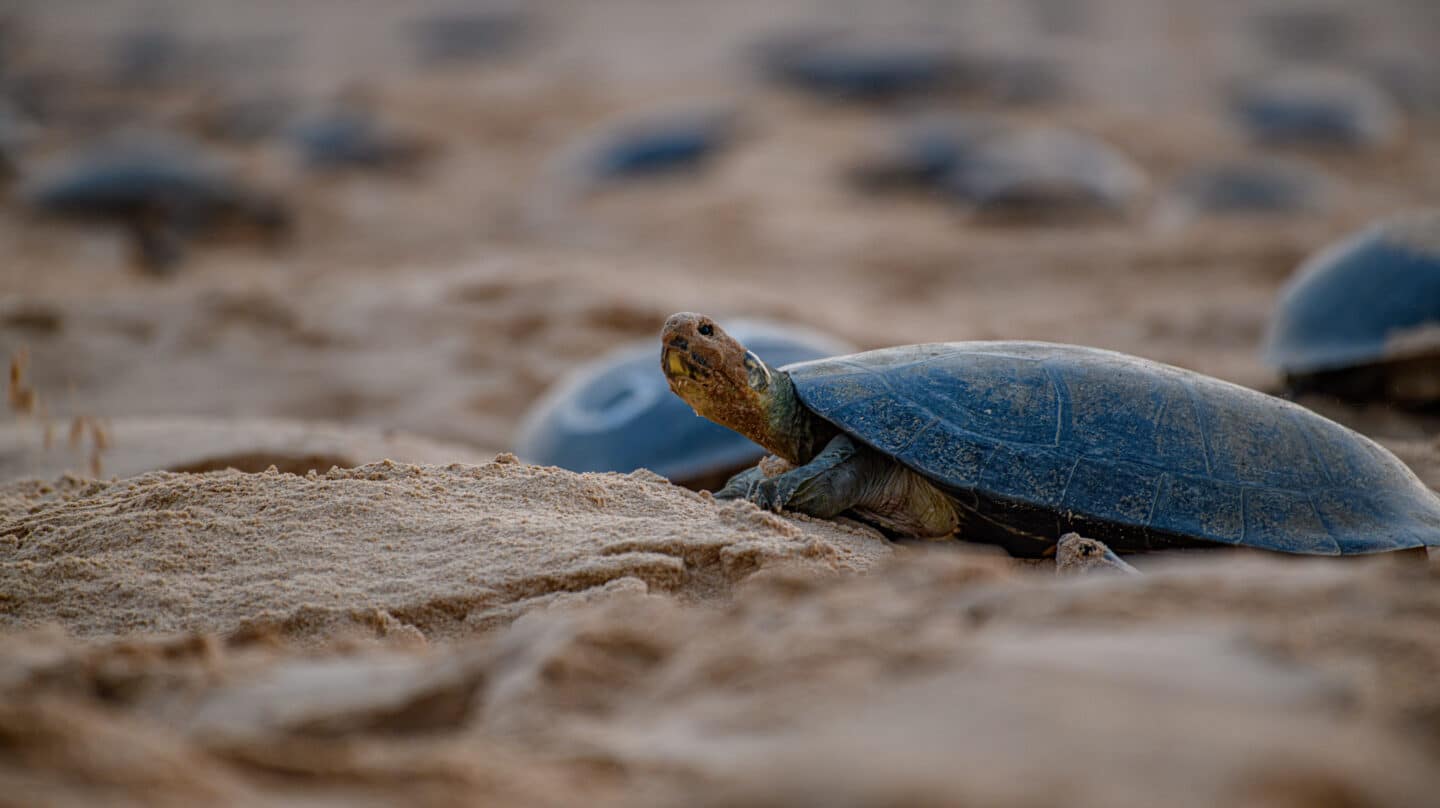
pixel 728 384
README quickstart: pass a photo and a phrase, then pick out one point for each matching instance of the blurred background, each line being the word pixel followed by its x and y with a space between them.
pixel 412 220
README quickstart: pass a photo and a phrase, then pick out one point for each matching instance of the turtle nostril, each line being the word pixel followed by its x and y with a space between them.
pixel 706 330
pixel 680 343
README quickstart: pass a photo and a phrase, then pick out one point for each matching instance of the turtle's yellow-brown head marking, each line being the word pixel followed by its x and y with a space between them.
pixel 720 379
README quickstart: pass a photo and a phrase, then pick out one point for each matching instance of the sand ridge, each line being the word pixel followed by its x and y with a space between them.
pixel 432 551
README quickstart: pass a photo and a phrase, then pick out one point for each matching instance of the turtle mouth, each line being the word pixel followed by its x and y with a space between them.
pixel 680 363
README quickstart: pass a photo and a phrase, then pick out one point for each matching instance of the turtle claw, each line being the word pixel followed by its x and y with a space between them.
pixel 771 494
pixel 741 486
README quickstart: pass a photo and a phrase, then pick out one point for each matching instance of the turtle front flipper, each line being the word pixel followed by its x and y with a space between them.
pixel 846 477
pixel 159 242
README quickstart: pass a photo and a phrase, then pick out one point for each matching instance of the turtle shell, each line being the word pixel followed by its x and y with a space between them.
pixel 618 414
pixel 119 180
pixel 837 65
pixel 1252 186
pixel 1040 173
pixel 1046 439
pixel 1319 108
pixel 660 145
pixel 1371 298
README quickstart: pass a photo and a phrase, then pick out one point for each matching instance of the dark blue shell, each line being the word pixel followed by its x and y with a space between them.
pixel 1251 186
pixel 1348 305
pixel 116 181
pixel 1317 108
pixel 924 152
pixel 1041 172
pixel 680 142
pixel 1093 437
pixel 618 414
pixel 352 138
pixel 844 67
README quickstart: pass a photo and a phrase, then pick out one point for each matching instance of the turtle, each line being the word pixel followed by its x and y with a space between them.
pixel 1267 185
pixel 1360 320
pixel 1317 107
pixel 1017 443
pixel 847 67
pixel 350 137
pixel 163 192
pixel 1043 174
pixel 615 413
pixel 661 144
pixel 922 152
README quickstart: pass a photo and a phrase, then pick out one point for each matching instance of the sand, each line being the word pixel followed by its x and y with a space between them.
pixel 398 615
pixel 419 551
pixel 944 678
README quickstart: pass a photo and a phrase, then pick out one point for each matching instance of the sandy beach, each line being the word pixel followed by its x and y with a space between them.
pixel 263 539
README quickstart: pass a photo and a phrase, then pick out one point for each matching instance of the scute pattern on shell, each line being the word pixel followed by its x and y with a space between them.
pixel 1114 439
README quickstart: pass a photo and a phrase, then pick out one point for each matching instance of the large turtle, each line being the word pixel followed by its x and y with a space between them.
pixel 1017 443
pixel 1361 319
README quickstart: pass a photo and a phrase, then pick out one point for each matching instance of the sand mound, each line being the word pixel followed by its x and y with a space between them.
pixel 433 551
pixel 946 679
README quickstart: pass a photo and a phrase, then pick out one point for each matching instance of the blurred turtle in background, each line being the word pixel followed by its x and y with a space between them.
pixel 466 37
pixel 1007 173
pixel 922 153
pixel 163 192
pixel 884 68
pixel 1045 175
pixel 617 414
pixel 840 66
pixel 1361 319
pixel 350 137
pixel 1251 186
pixel 1314 107
pixel 658 145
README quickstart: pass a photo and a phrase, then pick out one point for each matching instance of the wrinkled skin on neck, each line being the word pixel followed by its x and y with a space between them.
pixel 724 382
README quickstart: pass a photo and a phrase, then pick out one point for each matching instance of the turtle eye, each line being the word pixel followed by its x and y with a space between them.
pixel 707 330
pixel 758 375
